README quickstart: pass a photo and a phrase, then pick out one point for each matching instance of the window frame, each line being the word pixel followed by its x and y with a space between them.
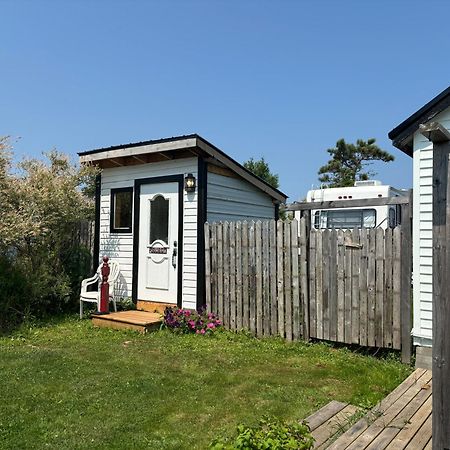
pixel 112 229
pixel 317 218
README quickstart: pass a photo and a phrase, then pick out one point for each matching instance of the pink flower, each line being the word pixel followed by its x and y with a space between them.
pixel 211 325
pixel 202 331
pixel 192 323
pixel 218 322
pixel 198 331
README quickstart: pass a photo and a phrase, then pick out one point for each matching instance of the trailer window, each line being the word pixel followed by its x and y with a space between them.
pixel 345 218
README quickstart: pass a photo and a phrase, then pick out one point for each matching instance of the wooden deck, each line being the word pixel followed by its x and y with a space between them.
pixel 400 421
pixel 131 320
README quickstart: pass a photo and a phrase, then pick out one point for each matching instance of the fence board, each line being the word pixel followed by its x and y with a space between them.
pixel 348 289
pixel 252 277
pixel 296 316
pixel 226 274
pixel 371 271
pixel 364 242
pixel 379 287
pixel 333 289
pixel 312 285
pixel 245 278
pixel 265 278
pixel 220 269
pixel 355 256
pixel 258 276
pixel 396 332
pixel 280 278
pixel 273 278
pixel 232 301
pixel 304 287
pixel 388 304
pixel 239 309
pixel 341 286
pixel 287 281
pixel 325 284
pixel 319 285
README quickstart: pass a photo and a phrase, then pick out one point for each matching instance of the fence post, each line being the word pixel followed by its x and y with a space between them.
pixel 441 299
pixel 405 281
pixel 208 268
pixel 305 226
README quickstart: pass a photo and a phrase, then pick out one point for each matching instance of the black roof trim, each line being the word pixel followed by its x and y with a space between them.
pixel 139 144
pixel 240 165
pixel 400 134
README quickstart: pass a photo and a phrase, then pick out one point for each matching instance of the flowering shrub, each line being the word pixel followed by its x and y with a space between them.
pixel 188 321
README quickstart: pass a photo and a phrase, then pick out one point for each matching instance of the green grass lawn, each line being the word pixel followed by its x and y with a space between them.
pixel 69 385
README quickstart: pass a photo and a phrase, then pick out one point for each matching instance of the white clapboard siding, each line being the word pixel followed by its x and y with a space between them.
pixel 120 246
pixel 422 234
pixel 235 199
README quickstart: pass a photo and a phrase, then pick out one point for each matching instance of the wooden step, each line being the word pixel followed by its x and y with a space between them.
pixel 129 320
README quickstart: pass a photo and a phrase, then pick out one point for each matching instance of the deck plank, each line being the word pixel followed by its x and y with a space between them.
pixel 362 433
pixel 408 432
pixel 422 437
pixel 402 410
pixel 325 413
pixel 336 424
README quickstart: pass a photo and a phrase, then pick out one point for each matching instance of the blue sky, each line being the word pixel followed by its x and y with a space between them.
pixel 280 79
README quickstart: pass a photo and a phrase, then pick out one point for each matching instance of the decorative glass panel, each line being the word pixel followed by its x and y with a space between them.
pixel 122 210
pixel 159 219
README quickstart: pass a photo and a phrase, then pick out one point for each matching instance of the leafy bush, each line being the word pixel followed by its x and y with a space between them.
pixel 270 434
pixel 188 321
pixel 41 264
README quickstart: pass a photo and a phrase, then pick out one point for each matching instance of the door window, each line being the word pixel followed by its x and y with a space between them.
pixel 159 219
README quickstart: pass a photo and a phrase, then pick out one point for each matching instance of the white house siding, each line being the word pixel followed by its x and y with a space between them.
pixel 120 246
pixel 422 234
pixel 235 199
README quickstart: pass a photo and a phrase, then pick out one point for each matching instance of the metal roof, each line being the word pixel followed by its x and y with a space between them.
pixel 198 142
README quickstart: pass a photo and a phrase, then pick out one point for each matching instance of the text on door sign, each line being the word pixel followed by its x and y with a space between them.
pixel 158 250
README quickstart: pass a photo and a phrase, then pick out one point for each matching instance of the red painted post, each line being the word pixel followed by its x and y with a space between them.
pixel 104 288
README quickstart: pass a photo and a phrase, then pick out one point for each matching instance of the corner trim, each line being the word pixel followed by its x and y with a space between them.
pixel 137 196
pixel 201 219
pixel 96 249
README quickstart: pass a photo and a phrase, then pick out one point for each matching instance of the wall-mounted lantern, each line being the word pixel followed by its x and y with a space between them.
pixel 189 183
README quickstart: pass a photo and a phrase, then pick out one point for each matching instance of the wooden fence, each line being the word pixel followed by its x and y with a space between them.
pixel 253 277
pixel 279 278
pixel 354 279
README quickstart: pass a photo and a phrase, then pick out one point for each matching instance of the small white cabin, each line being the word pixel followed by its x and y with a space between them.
pixel 152 201
pixel 354 217
pixel 408 139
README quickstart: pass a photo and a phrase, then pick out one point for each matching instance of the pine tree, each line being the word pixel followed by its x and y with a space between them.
pixel 349 162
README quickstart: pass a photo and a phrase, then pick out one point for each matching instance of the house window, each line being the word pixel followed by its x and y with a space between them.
pixel 121 210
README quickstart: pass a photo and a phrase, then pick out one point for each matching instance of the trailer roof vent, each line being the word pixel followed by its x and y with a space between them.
pixel 368 183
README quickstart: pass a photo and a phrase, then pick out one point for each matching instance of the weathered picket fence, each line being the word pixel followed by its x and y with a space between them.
pixel 253 277
pixel 279 278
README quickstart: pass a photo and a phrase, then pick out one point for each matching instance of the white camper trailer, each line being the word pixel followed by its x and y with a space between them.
pixel 355 217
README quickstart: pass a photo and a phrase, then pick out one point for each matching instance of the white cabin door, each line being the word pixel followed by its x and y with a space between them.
pixel 158 246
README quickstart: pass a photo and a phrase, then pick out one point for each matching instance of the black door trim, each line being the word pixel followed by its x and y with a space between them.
pixel 201 219
pixel 137 197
